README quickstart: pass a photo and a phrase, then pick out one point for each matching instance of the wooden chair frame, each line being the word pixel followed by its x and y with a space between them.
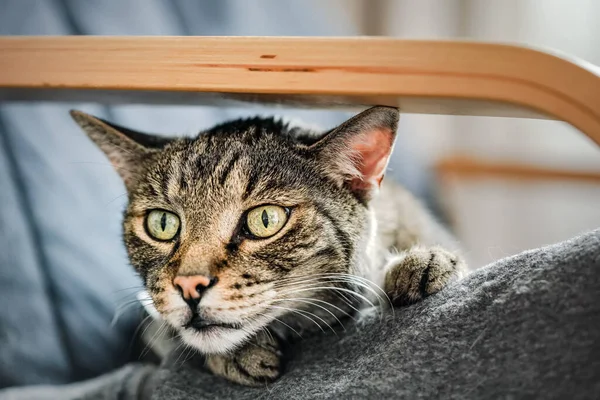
pixel 442 77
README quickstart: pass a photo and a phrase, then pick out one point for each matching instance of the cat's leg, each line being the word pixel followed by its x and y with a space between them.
pixel 419 272
pixel 258 362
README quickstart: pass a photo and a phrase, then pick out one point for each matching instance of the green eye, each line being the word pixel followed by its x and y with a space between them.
pixel 265 221
pixel 162 225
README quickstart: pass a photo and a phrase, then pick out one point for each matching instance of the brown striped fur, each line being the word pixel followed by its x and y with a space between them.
pixel 338 224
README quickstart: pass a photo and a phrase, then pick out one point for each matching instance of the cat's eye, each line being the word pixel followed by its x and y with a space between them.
pixel 162 225
pixel 265 221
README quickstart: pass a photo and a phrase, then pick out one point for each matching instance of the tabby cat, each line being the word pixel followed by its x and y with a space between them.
pixel 254 231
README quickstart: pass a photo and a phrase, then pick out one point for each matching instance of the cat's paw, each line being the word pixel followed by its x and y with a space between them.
pixel 420 272
pixel 257 363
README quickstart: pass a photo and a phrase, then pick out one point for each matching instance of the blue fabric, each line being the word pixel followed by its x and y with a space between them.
pixel 63 269
pixel 29 330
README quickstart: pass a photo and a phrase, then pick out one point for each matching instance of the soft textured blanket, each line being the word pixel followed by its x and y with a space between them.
pixel 525 327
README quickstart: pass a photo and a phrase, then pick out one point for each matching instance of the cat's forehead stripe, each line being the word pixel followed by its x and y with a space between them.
pixel 228 168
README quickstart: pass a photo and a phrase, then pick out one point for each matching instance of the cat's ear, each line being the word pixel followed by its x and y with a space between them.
pixel 357 152
pixel 126 149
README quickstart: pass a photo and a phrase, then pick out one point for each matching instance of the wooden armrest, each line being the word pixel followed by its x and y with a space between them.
pixel 418 76
pixel 474 168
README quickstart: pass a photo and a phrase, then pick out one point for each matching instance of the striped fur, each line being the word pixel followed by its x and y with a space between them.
pixel 329 259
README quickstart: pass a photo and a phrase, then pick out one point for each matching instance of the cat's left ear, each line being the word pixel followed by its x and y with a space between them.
pixel 125 148
pixel 356 153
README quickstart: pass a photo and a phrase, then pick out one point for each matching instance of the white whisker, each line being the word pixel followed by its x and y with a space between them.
pixel 161 329
pixel 337 293
pixel 309 288
pixel 264 328
pixel 191 352
pixel 142 322
pixel 311 302
pixel 281 322
pixel 186 347
pixel 369 282
pixel 343 277
pixel 302 313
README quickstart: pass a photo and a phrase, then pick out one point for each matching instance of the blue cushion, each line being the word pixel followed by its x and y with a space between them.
pixel 63 269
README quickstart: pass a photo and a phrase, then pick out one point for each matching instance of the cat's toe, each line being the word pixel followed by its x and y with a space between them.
pixel 260 364
pixel 257 363
pixel 421 272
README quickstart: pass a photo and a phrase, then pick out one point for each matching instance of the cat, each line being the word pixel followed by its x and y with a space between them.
pixel 255 231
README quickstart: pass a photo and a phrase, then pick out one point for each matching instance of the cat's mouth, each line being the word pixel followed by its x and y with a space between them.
pixel 204 325
pixel 213 337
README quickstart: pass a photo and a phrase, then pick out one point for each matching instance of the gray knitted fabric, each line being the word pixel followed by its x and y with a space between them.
pixel 527 326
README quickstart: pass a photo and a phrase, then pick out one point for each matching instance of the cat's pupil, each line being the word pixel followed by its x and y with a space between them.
pixel 163 221
pixel 265 218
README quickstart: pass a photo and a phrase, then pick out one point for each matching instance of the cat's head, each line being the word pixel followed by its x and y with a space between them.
pixel 250 220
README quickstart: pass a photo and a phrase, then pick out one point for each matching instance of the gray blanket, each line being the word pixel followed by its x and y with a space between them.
pixel 527 326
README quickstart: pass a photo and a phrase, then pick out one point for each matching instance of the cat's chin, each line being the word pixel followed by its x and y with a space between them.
pixel 214 339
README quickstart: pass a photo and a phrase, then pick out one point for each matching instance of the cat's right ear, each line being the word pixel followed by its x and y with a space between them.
pixel 126 149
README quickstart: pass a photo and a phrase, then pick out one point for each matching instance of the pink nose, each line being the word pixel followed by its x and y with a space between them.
pixel 191 287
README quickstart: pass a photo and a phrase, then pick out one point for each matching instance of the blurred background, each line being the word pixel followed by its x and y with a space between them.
pixel 504 184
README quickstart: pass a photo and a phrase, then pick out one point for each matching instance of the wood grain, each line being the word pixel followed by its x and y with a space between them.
pixel 418 76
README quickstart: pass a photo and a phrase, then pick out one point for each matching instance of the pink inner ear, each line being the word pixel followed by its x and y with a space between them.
pixel 373 150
